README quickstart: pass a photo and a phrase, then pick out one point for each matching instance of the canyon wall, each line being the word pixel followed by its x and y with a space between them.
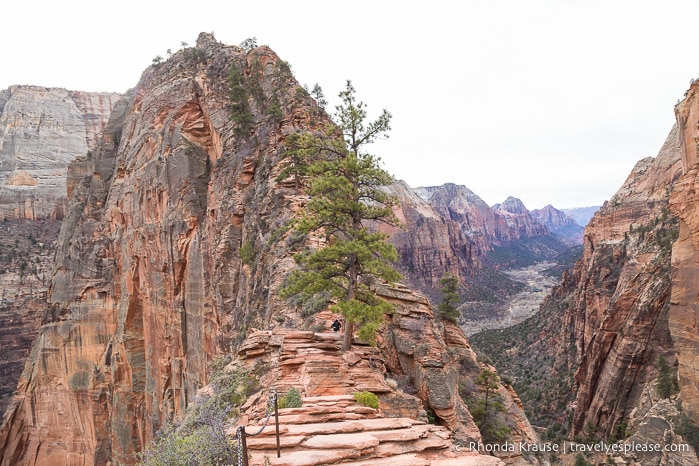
pixel 684 308
pixel 618 313
pixel 172 249
pixel 42 130
pixel 449 229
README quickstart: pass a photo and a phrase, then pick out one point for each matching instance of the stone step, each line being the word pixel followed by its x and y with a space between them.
pixel 304 457
pixel 346 427
pixel 328 398
pixel 358 440
pixel 319 417
pixel 269 442
pixel 431 442
pixel 398 460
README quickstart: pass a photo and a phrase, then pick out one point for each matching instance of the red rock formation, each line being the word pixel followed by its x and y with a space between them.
pixel 449 229
pixel 150 283
pixel 684 309
pixel 615 303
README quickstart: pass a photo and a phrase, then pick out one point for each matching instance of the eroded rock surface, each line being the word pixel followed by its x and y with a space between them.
pixel 151 282
pixel 42 130
pixel 684 309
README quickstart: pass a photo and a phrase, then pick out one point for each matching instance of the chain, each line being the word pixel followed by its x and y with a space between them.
pixel 270 410
pixel 239 437
pixel 241 429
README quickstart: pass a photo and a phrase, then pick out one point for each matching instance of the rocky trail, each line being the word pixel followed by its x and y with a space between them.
pixel 330 427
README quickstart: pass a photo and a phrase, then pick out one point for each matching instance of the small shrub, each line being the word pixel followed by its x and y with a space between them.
pixel 366 398
pixel 247 253
pixel 292 399
pixel 392 383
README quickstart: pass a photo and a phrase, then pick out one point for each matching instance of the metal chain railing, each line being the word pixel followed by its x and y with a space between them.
pixel 271 403
pixel 240 433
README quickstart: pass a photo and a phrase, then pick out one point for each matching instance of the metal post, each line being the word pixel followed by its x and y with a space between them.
pixel 276 423
pixel 244 444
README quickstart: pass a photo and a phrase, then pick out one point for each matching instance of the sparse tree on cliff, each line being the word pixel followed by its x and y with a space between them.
pixel 300 149
pixel 448 305
pixel 485 413
pixel 345 187
pixel 319 96
pixel 667 380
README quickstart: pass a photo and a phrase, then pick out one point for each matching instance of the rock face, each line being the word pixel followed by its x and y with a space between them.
pixel 684 308
pixel 151 282
pixel 42 130
pixel 559 224
pixel 613 326
pixel 27 248
pixel 448 228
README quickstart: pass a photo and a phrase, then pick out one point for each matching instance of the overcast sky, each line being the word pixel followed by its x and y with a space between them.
pixel 549 101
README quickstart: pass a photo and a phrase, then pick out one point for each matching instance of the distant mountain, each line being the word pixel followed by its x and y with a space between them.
pixel 581 215
pixel 560 224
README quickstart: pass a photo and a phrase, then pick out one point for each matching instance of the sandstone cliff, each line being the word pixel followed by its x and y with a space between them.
pixel 607 323
pixel 449 228
pixel 41 131
pixel 27 248
pixel 172 249
pixel 684 308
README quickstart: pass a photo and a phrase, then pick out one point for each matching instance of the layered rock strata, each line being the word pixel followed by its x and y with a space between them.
pixel 449 229
pixel 172 249
pixel 614 306
pixel 684 308
pixel 42 130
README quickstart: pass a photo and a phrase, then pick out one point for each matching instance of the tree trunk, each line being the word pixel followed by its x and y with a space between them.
pixel 347 337
pixel 351 293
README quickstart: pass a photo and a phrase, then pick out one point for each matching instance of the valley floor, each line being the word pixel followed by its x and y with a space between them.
pixel 516 309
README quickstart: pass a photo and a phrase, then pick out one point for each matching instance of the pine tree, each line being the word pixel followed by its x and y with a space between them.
pixel 667 383
pixel 345 187
pixel 485 413
pixel 300 149
pixel 448 305
pixel 319 96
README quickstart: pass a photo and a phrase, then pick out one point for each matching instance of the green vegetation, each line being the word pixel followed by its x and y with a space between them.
pixel 544 384
pixel 345 188
pixel 199 438
pixel 319 96
pixel 667 379
pixel 366 398
pixel 448 305
pixel 297 156
pixel 247 253
pixel 292 399
pixel 486 407
pixel 240 107
pixel 249 44
pixel 688 430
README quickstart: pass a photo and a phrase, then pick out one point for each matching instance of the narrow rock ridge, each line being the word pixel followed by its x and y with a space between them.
pixel 330 427
pixel 150 284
